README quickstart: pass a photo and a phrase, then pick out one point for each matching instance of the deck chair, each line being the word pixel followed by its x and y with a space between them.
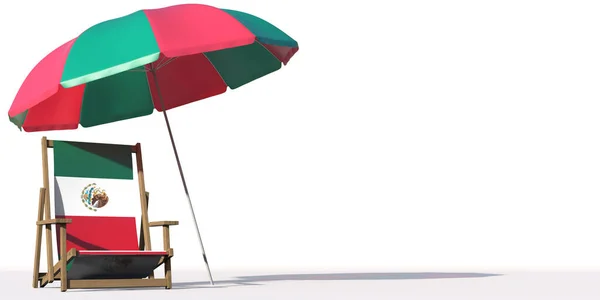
pixel 101 217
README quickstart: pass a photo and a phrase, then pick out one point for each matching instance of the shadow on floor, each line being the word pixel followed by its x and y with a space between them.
pixel 256 280
pixel 261 279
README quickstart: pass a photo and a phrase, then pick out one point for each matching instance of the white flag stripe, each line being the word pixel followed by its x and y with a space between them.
pixel 123 197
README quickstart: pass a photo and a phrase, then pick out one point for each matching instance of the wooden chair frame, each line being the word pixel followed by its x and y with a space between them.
pixel 58 272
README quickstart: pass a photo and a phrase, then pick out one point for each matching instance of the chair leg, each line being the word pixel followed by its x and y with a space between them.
pixel 36 262
pixel 63 258
pixel 167 246
pixel 38 240
pixel 168 274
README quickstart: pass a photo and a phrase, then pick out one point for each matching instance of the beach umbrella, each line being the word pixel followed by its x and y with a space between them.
pixel 151 59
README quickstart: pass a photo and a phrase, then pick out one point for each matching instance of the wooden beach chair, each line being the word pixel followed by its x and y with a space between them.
pixel 99 211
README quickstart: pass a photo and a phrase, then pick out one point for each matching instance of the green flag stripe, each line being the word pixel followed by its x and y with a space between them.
pixel 90 160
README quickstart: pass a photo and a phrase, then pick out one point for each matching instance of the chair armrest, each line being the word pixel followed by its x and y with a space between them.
pixel 54 221
pixel 163 223
pixel 166 236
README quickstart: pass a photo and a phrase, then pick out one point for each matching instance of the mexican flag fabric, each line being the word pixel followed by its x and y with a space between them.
pixel 94 186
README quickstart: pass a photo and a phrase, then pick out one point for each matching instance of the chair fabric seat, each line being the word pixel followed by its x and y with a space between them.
pixel 122 252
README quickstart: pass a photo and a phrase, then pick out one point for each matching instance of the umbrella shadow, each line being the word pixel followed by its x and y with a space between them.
pixel 261 279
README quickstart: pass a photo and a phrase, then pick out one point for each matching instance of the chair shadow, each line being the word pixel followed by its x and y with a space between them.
pixel 262 279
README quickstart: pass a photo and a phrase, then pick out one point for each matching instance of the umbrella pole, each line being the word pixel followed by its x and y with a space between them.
pixel 187 194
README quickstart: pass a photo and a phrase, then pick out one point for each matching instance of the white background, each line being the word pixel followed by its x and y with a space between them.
pixel 425 135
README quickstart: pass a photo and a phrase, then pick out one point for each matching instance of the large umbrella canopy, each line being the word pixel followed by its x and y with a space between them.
pixel 113 70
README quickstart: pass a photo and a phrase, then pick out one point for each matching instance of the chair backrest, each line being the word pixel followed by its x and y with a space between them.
pixel 94 186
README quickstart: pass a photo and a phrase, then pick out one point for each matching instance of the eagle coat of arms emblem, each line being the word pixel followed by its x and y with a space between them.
pixel 94 197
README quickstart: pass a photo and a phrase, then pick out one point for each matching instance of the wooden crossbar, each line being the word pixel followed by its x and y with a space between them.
pixel 115 283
